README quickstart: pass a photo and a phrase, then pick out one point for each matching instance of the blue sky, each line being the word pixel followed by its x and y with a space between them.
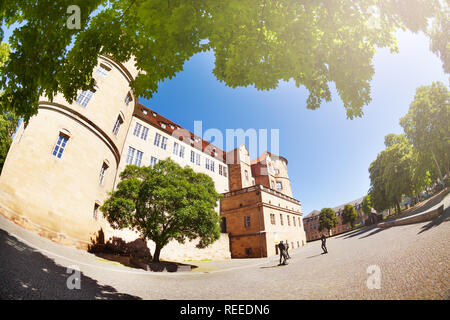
pixel 328 154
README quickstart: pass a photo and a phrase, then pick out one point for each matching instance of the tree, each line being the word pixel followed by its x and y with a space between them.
pixel 427 126
pixel 256 43
pixel 163 203
pixel 8 125
pixel 367 208
pixel 8 121
pixel 394 173
pixel 327 219
pixel 349 214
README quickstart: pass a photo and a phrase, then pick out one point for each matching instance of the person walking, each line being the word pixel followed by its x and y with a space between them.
pixel 287 250
pixel 324 243
pixel 282 249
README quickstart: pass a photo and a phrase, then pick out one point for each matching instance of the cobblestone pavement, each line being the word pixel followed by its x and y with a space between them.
pixel 414 262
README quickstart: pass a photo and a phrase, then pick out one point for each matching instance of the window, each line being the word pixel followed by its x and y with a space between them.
pixel 175 148
pixel 157 139
pixel 130 155
pixel 95 214
pixel 144 133
pixel 102 173
pixel 277 171
pixel 299 222
pixel 207 164
pixel 279 185
pixel 197 159
pixel 153 161
pixel 119 121
pixel 137 130
pixel 212 166
pixel 164 143
pixel 192 156
pixel 293 220
pixel 289 220
pixel 138 158
pixel 247 221
pixel 246 174
pixel 224 171
pixel 128 99
pixel 163 125
pixel 272 218
pixel 102 70
pixel 182 151
pixel 220 169
pixel 281 219
pixel 84 97
pixel 60 145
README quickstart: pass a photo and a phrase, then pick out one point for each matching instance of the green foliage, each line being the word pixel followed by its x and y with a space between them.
pixel 163 203
pixel 397 171
pixel 256 43
pixel 327 219
pixel 439 33
pixel 8 121
pixel 367 205
pixel 4 53
pixel 349 214
pixel 427 126
pixel 8 125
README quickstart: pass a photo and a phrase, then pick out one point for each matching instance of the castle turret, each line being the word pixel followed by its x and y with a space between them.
pixel 64 161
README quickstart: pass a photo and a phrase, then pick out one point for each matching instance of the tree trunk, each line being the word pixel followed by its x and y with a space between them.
pixel 397 204
pixel 156 254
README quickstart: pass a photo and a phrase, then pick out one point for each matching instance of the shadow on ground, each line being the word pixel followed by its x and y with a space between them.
pixel 26 274
pixel 444 217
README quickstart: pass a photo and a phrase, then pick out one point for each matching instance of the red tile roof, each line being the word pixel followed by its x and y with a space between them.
pixel 162 123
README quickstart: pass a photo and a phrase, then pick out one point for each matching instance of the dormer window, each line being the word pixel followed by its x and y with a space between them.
pixel 144 111
pixel 163 125
pixel 154 114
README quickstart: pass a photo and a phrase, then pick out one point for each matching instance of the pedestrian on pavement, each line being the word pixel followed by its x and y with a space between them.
pixel 282 249
pixel 287 250
pixel 324 243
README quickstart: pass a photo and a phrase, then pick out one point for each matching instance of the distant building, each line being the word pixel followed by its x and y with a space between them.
pixel 311 221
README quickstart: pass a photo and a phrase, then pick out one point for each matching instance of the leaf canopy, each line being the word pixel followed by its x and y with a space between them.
pixel 255 43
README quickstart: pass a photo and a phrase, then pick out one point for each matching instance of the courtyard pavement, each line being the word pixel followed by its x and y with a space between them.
pixel 413 263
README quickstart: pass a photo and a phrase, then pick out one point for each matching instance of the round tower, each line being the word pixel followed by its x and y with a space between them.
pixel 281 175
pixel 64 161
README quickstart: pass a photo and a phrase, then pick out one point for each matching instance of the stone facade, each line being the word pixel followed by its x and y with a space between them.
pixel 59 195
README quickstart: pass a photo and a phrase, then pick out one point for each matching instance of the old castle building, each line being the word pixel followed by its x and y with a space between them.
pixel 259 210
pixel 62 164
